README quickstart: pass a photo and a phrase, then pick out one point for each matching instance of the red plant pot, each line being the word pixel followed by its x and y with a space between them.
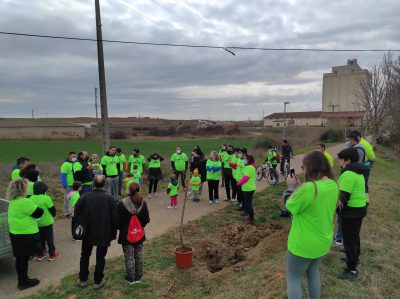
pixel 184 257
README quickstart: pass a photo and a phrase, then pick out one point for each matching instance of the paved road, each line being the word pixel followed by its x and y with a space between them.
pixel 162 220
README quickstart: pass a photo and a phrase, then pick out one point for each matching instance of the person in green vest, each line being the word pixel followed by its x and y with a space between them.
pixel 67 179
pixel 111 168
pixel 22 162
pixel 94 165
pixel 352 208
pixel 238 167
pixel 230 183
pixel 45 223
pixel 122 164
pixel 248 184
pixel 155 173
pixel 369 159
pixel 180 163
pixel 74 196
pixel 172 191
pixel 135 177
pixel 32 176
pixel 195 182
pixel 82 172
pixel 272 157
pixel 137 159
pixel 312 206
pixel 23 229
pixel 321 147
pixel 220 153
pixel 213 167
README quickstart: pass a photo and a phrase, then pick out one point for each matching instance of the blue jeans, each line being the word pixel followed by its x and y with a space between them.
pixel 120 180
pixel 339 234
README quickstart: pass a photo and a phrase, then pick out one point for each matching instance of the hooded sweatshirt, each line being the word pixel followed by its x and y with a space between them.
pixel 352 191
pixel 124 212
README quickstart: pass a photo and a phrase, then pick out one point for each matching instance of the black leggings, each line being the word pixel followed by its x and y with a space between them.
pixel 47 237
pixel 21 265
pixel 153 186
pixel 351 241
pixel 239 194
pixel 248 203
pixel 230 182
pixel 213 189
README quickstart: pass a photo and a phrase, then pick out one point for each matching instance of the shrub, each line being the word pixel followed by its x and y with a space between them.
pixel 232 130
pixel 268 141
pixel 332 135
pixel 118 135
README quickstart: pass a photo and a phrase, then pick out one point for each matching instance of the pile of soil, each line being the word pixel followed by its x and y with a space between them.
pixel 235 243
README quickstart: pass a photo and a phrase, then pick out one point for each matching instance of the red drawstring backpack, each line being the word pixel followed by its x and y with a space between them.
pixel 135 230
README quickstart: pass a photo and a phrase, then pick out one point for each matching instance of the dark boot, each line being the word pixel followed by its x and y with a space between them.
pixel 29 283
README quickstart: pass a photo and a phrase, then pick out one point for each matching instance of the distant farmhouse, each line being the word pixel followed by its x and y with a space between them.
pixel 339 102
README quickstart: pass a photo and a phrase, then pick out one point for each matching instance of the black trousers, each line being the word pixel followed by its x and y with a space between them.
pixel 351 241
pixel 239 194
pixel 182 174
pixel 248 204
pixel 230 183
pixel 47 237
pixel 86 252
pixel 21 265
pixel 213 189
pixel 153 186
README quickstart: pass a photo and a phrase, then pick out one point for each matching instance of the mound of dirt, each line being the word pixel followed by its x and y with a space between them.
pixel 232 244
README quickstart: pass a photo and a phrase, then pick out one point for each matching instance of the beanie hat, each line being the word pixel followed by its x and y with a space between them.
pixel 40 188
pixel 196 171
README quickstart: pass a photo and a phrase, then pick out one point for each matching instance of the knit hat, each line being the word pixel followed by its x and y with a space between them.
pixel 196 171
pixel 40 188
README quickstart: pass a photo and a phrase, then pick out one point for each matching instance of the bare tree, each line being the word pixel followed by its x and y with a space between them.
pixel 373 98
pixel 392 66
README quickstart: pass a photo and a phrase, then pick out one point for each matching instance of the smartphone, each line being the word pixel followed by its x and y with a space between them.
pixel 292 173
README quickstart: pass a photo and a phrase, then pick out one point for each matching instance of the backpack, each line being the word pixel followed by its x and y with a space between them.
pixel 79 230
pixel 135 230
pixel 278 157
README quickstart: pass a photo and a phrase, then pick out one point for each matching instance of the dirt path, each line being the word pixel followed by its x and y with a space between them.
pixel 162 219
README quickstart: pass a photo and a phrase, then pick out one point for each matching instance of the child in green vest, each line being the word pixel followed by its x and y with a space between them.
pixel 73 198
pixel 45 223
pixel 195 182
pixel 172 191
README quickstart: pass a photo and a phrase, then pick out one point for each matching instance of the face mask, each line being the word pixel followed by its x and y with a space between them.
pixel 240 156
pixel 178 151
pixel 223 148
pixel 348 144
pixel 230 152
pixel 246 161
pixel 73 159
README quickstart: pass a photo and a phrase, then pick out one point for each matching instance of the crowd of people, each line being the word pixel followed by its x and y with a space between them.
pixel 107 193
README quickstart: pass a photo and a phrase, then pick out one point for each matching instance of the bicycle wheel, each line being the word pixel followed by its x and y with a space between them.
pixel 259 173
pixel 272 176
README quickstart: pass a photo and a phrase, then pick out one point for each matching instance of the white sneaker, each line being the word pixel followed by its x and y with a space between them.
pixel 217 201
pixel 175 207
pixel 149 196
pixel 170 207
pixel 210 201
pixel 156 194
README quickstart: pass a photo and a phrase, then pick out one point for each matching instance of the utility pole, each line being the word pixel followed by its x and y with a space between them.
pixel 95 103
pixel 102 81
pixel 284 119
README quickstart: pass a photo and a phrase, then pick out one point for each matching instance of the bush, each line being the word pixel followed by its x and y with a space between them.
pixel 161 132
pixel 265 143
pixel 332 135
pixel 232 130
pixel 118 135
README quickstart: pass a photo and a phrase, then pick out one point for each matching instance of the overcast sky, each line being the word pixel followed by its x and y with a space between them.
pixel 57 77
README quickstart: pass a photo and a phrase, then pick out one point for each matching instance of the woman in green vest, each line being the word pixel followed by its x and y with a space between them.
pixel 24 230
pixel 213 167
pixel 352 208
pixel 312 206
pixel 155 173
pixel 248 185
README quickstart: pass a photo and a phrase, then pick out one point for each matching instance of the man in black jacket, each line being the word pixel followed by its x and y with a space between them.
pixel 82 173
pixel 287 153
pixel 97 208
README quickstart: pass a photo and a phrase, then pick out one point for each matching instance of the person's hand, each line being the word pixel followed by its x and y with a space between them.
pixel 292 180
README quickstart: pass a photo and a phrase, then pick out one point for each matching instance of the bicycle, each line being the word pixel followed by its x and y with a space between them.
pixel 267 171
pixel 286 168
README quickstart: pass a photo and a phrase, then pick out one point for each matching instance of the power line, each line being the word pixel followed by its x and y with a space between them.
pixel 193 46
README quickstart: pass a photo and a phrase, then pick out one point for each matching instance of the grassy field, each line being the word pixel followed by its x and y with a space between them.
pixel 56 151
pixel 236 261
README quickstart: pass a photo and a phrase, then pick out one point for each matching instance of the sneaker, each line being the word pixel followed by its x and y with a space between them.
pixel 156 194
pixel 236 203
pixel 137 282
pixel 170 207
pixel 150 196
pixel 68 216
pixel 175 207
pixel 53 256
pixel 99 285
pixel 210 201
pixel 233 200
pixel 82 284
pixel 129 280
pixel 339 242
pixel 227 199
pixel 348 275
pixel 217 201
pixel 41 257
pixel 29 283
